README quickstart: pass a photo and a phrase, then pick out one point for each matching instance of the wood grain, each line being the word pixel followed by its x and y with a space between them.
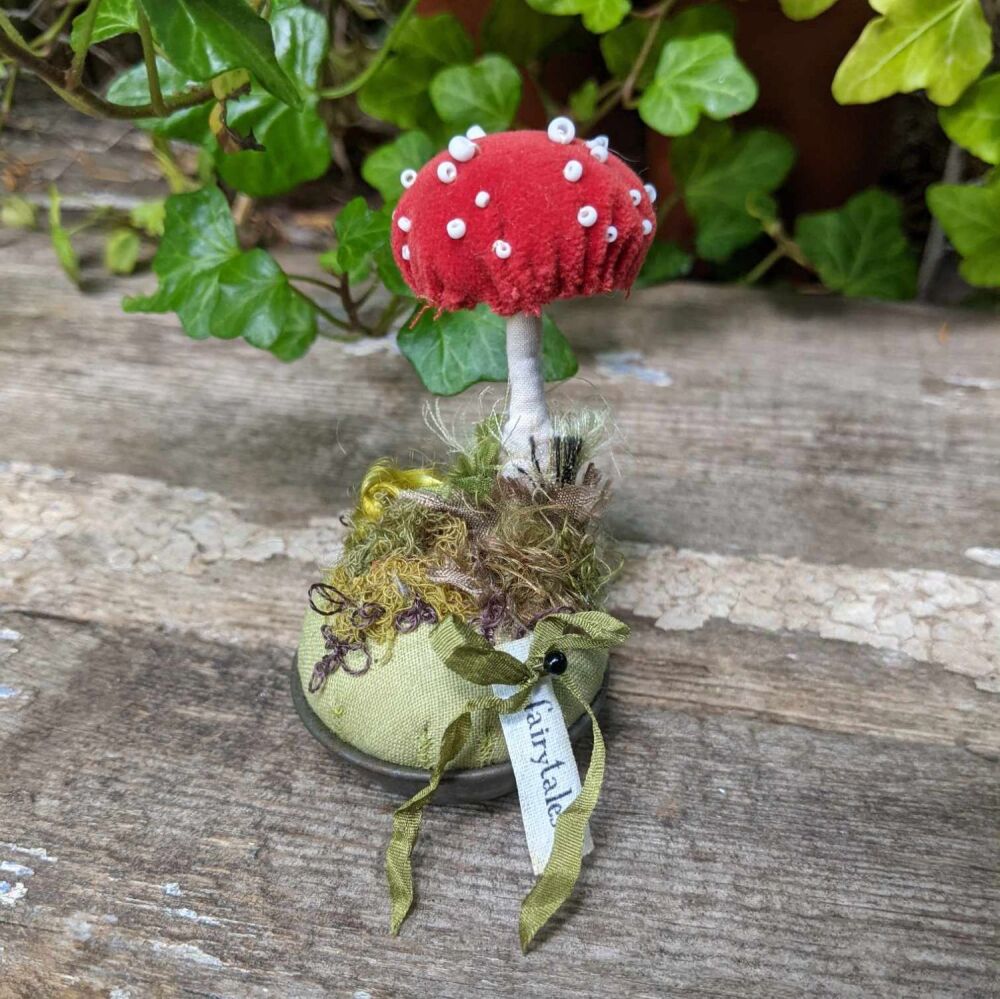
pixel 793 808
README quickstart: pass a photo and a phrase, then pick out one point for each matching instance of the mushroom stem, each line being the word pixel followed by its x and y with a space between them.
pixel 528 430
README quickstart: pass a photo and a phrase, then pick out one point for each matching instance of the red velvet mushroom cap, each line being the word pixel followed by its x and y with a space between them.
pixel 519 219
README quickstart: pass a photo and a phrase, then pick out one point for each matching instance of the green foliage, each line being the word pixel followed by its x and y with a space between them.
pixel 486 93
pixel 860 249
pixel 804 10
pixel 458 349
pixel 381 169
pixel 17 213
pixel 61 243
pixel 598 15
pixel 360 232
pixel 974 122
pixel 114 18
pixel 583 100
pixel 664 262
pixel 131 88
pixel 718 170
pixel 970 215
pixel 696 72
pixel 204 38
pixel 399 92
pixel 295 140
pixel 121 250
pixel 515 30
pixel 940 45
pixel 219 290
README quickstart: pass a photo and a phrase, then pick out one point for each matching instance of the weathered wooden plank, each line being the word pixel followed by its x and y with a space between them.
pixel 734 857
pixel 830 431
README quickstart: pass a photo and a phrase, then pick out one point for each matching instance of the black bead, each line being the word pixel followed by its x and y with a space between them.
pixel 555 662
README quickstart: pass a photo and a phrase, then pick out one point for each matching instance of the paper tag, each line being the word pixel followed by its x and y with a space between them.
pixel 542 757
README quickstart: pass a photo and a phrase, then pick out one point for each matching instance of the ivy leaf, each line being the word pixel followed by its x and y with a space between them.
pixel 149 216
pixel 398 92
pixel 717 171
pixel 389 273
pixel 860 249
pixel 65 254
pixel 256 302
pixel 664 262
pixel 383 166
pixel 114 18
pixel 622 46
pixel 132 87
pixel 974 122
pixel 204 38
pixel 970 216
pixel 198 239
pixel 805 10
pixel 219 290
pixel 941 45
pixel 515 30
pixel 694 75
pixel 121 251
pixel 598 15
pixel 360 231
pixel 486 93
pixel 296 142
pixel 17 213
pixel 583 101
pixel 458 349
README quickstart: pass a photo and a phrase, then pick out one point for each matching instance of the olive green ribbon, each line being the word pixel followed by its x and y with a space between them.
pixel 471 656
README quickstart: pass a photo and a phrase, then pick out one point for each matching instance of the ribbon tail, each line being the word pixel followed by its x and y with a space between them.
pixel 556 882
pixel 406 824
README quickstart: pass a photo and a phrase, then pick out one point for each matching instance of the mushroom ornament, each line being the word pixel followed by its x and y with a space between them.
pixel 458 646
pixel 518 220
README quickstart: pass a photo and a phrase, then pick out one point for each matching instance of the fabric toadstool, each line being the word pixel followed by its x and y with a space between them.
pixel 518 220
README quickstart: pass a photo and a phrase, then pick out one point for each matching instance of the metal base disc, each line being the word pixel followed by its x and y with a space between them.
pixel 475 784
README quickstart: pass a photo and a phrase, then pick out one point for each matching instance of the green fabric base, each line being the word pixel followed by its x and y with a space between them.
pixel 399 709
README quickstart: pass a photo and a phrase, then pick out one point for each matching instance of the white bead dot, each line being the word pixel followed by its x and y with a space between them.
pixel 447 172
pixel 573 170
pixel 404 223
pixel 612 233
pixel 501 249
pixel 587 216
pixel 462 149
pixel 456 228
pixel 647 227
pixel 482 199
pixel 561 130
pixel 405 251
pixel 598 140
pixel 407 177
pixel 650 192
pixel 475 132
pixel 636 197
pixel 600 153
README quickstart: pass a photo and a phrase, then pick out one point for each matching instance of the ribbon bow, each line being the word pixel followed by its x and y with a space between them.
pixel 472 657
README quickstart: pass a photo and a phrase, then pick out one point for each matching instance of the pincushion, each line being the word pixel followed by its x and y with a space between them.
pixel 518 220
pixel 461 626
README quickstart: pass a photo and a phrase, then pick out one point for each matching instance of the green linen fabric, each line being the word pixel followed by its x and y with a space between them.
pixel 398 710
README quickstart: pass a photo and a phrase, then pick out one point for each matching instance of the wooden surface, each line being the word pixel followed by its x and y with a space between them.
pixel 802 793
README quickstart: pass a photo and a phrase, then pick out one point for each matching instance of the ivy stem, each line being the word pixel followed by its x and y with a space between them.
pixel 628 86
pixel 149 58
pixel 355 84
pixel 308 279
pixel 13 46
pixel 325 313
pixel 753 276
pixel 87 21
pixel 8 95
pixel 389 313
